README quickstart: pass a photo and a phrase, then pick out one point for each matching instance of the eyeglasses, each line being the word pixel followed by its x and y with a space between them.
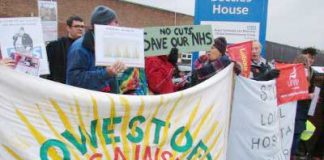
pixel 78 26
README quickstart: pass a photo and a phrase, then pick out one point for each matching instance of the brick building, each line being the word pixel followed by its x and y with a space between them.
pixel 130 15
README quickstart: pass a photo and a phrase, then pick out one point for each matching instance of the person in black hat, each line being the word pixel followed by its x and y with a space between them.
pixel 81 69
pixel 304 105
pixel 214 61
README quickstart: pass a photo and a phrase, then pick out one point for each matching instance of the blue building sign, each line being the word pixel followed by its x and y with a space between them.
pixel 236 20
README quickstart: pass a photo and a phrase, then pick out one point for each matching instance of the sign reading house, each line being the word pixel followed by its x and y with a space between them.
pixel 237 20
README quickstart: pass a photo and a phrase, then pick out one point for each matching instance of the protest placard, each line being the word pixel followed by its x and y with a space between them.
pixel 241 53
pixel 119 43
pixel 47 11
pixel 313 105
pixel 160 40
pixel 292 83
pixel 23 36
pixel 318 69
pixel 27 64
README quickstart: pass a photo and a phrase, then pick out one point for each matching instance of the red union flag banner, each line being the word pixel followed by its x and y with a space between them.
pixel 292 83
pixel 241 53
pixel 43 120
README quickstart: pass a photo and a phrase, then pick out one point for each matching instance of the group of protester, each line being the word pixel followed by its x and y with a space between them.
pixel 72 61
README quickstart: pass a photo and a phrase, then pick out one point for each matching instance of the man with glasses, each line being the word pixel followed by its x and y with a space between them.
pixel 57 50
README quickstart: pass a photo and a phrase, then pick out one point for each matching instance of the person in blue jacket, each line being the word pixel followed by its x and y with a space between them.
pixel 81 69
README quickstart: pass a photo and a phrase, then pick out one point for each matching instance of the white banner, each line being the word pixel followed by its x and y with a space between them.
pixel 260 130
pixel 45 120
pixel 47 11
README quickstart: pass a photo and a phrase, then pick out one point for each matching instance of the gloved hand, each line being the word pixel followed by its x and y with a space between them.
pixel 237 68
pixel 173 56
pixel 203 58
pixel 180 83
pixel 273 74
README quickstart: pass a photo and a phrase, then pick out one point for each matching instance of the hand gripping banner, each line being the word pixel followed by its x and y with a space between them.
pixel 42 120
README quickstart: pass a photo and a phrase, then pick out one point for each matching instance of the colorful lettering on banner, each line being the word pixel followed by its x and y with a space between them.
pixel 241 53
pixel 53 121
pixel 292 83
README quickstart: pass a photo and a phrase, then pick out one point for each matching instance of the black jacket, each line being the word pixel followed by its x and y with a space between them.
pixel 57 57
pixel 262 71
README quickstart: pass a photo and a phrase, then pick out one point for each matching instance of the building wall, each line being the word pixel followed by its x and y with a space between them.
pixel 129 14
pixel 287 53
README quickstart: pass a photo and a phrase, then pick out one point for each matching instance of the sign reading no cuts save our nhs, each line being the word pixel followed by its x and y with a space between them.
pixel 187 38
pixel 236 20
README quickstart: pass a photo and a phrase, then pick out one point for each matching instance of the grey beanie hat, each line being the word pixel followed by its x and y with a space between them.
pixel 102 15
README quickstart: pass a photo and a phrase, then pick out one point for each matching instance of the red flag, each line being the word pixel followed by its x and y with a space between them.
pixel 241 53
pixel 292 84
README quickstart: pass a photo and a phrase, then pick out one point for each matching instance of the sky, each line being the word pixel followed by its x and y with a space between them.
pixel 296 23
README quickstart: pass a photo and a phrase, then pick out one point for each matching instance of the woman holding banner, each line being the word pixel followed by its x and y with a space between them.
pixel 211 63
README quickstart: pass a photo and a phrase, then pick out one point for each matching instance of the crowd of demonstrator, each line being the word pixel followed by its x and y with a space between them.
pixel 72 61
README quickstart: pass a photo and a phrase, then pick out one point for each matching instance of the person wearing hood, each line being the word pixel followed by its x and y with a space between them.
pixel 81 69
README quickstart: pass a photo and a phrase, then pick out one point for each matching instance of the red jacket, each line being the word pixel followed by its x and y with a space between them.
pixel 159 72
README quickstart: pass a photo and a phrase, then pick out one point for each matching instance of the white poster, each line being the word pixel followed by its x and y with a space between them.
pixel 318 69
pixel 27 64
pixel 23 36
pixel 235 32
pixel 42 120
pixel 313 105
pixel 47 11
pixel 260 130
pixel 119 43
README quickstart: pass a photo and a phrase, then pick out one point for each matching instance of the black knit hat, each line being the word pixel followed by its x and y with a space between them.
pixel 310 50
pixel 102 15
pixel 220 43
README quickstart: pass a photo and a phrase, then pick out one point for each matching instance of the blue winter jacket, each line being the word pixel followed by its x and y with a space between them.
pixel 81 69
